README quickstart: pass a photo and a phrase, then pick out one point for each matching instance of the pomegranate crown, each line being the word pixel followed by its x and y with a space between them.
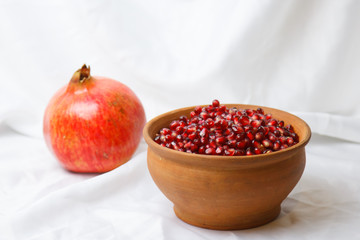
pixel 81 74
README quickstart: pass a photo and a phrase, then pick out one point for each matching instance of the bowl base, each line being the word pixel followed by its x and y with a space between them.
pixel 243 222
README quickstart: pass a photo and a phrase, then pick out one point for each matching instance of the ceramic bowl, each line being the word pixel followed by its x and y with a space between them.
pixel 226 192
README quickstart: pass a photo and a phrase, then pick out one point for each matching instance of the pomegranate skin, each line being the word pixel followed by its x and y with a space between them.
pixel 94 124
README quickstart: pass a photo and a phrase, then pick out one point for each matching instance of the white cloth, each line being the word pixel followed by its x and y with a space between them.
pixel 299 56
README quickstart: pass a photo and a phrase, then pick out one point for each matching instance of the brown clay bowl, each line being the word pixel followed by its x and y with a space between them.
pixel 223 192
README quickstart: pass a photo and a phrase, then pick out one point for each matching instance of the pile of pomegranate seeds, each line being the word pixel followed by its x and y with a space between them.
pixel 218 130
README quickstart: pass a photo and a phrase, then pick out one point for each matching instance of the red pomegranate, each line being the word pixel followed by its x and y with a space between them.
pixel 94 124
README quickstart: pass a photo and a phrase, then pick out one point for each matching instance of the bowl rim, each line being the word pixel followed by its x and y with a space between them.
pixel 240 160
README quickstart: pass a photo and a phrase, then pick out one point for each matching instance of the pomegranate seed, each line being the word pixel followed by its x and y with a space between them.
pixel 276 146
pixel 191 129
pixel 187 145
pixel 240 136
pixel 237 129
pixel 215 103
pixel 212 144
pixel 204 132
pixel 271 128
pixel 284 146
pixel 268 116
pixel 273 122
pixel 282 139
pixel 259 136
pixel 183 119
pixel 165 131
pixel 260 110
pixel 248 152
pixel 201 150
pixel 277 133
pixel 231 136
pixel 209 151
pixel 203 140
pixel 183 124
pixel 219 150
pixel 218 130
pixel 192 136
pixel 295 137
pixel 210 123
pixel 204 115
pixel 227 131
pixel 230 152
pixel 242 144
pixel 272 137
pixel 193 147
pixel 250 135
pixel 174 124
pixel 257 151
pixel 290 141
pixel 267 143
pixel 168 138
pixel 281 123
pixel 179 129
pixel 289 127
pixel 244 120
pixel 157 139
pixel 222 108
pixel 255 123
pixel 232 143
pixel 249 112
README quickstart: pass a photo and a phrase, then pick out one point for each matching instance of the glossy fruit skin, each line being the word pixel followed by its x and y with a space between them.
pixel 93 126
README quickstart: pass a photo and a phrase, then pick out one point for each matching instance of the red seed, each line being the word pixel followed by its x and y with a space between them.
pixel 204 115
pixel 281 123
pixel 276 146
pixel 174 124
pixel 249 152
pixel 157 139
pixel 272 137
pixel 215 129
pixel 230 152
pixel 222 108
pixel 237 129
pixel 267 143
pixel 219 150
pixel 210 151
pixel 204 133
pixel 241 145
pixel 220 140
pixel 250 135
pixel 290 141
pixel 273 122
pixel 165 131
pixel 257 151
pixel 244 120
pixel 260 110
pixel 215 103
pixel 212 144
pixel 192 136
pixel 187 145
pixel 259 136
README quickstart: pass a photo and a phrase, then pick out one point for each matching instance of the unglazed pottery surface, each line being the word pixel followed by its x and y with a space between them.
pixel 222 192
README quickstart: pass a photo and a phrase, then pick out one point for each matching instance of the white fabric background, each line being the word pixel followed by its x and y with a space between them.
pixel 299 56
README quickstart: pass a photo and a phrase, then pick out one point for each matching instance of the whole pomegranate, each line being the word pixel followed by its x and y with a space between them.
pixel 94 124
